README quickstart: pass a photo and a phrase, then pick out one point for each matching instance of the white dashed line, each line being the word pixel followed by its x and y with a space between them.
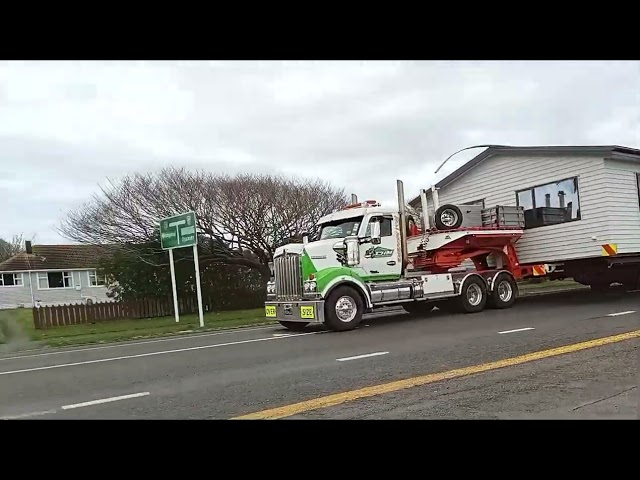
pixel 621 313
pixel 131 344
pixel 104 400
pixel 27 415
pixel 357 357
pixel 517 330
pixel 151 354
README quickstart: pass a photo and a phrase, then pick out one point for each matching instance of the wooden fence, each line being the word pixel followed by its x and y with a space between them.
pixel 58 316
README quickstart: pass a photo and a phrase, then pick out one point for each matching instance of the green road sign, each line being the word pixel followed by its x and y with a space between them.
pixel 178 231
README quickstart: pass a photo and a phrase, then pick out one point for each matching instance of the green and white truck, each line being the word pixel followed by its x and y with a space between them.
pixel 365 258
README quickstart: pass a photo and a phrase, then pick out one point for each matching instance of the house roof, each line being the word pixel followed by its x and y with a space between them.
pixel 495 149
pixel 55 257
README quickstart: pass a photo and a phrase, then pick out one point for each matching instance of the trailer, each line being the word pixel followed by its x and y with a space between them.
pixel 367 256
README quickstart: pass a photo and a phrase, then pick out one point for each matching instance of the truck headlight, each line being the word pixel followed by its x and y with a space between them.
pixel 310 286
pixel 271 288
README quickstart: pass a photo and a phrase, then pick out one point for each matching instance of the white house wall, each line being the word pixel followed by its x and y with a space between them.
pixel 11 297
pixel 624 205
pixel 497 179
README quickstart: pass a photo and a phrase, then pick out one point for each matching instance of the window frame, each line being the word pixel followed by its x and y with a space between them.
pixel 575 178
pixel 638 188
pixel 66 274
pixel 16 276
pixel 384 217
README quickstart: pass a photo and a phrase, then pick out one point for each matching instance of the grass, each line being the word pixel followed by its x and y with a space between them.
pixel 16 328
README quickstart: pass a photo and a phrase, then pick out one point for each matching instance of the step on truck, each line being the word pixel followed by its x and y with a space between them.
pixel 367 256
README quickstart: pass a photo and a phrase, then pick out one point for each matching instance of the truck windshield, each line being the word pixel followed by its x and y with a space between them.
pixel 340 228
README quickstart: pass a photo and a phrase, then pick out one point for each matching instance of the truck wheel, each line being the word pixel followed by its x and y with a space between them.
pixel 418 308
pixel 448 217
pixel 294 326
pixel 473 295
pixel 343 309
pixel 504 292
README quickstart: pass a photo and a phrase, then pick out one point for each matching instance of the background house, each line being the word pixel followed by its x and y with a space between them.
pixel 597 188
pixel 52 275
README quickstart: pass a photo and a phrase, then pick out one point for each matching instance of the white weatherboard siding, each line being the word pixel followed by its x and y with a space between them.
pixel 624 205
pixel 11 297
pixel 497 179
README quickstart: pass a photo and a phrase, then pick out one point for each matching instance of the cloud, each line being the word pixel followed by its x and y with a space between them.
pixel 67 126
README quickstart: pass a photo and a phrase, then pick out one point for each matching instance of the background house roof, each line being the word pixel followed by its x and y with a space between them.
pixel 55 257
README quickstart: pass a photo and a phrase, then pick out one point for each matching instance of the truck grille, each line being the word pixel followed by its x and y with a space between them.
pixel 288 276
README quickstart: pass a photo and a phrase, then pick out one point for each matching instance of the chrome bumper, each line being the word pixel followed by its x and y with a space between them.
pixel 304 311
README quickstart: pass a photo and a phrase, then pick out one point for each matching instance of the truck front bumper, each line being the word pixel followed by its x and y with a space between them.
pixel 303 311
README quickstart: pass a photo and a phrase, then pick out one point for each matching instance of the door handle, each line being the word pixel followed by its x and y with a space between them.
pixel 391 263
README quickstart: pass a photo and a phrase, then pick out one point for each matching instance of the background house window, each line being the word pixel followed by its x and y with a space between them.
pixel 96 280
pixel 476 202
pixel 550 204
pixel 54 280
pixel 10 279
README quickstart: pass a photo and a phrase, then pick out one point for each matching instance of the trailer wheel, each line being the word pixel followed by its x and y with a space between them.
pixel 448 217
pixel 294 326
pixel 473 295
pixel 505 291
pixel 343 309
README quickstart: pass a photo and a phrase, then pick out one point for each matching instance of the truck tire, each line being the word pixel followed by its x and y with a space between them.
pixel 448 217
pixel 294 326
pixel 343 309
pixel 473 295
pixel 504 293
pixel 418 308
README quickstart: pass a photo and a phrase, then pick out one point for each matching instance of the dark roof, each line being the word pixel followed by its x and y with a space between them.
pixel 494 149
pixel 55 257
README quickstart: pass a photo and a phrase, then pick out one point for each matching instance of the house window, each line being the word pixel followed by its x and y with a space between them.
pixel 476 202
pixel 96 280
pixel 54 280
pixel 10 279
pixel 551 203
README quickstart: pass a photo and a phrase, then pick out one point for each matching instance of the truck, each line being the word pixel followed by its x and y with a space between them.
pixel 366 257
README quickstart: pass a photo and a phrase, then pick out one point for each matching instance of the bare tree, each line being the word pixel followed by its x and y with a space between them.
pixel 241 219
pixel 9 248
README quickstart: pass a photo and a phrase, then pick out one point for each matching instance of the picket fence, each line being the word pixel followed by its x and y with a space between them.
pixel 63 315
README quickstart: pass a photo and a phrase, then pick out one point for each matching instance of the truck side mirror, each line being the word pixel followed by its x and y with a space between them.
pixel 375 232
pixel 353 251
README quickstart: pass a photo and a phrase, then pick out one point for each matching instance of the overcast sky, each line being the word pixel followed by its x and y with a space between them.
pixel 67 126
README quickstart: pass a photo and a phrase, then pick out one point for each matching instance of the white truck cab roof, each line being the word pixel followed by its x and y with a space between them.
pixel 355 212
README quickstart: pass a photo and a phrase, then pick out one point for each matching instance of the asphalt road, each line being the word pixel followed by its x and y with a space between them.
pixel 230 374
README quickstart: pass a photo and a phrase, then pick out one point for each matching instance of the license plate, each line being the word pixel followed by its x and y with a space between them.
pixel 307 311
pixel 270 311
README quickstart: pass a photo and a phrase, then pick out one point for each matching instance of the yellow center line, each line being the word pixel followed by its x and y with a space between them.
pixel 350 396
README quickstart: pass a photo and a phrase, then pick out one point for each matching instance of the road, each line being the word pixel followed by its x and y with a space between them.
pixel 391 367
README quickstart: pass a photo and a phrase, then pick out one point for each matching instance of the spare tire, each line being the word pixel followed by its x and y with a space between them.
pixel 448 217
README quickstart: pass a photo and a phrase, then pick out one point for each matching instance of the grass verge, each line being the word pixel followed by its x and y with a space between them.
pixel 17 330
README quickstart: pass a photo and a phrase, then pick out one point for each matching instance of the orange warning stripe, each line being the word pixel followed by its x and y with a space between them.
pixel 609 249
pixel 539 270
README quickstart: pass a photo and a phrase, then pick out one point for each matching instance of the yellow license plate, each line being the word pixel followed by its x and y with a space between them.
pixel 270 311
pixel 307 311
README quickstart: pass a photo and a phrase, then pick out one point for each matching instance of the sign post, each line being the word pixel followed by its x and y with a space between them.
pixel 179 231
